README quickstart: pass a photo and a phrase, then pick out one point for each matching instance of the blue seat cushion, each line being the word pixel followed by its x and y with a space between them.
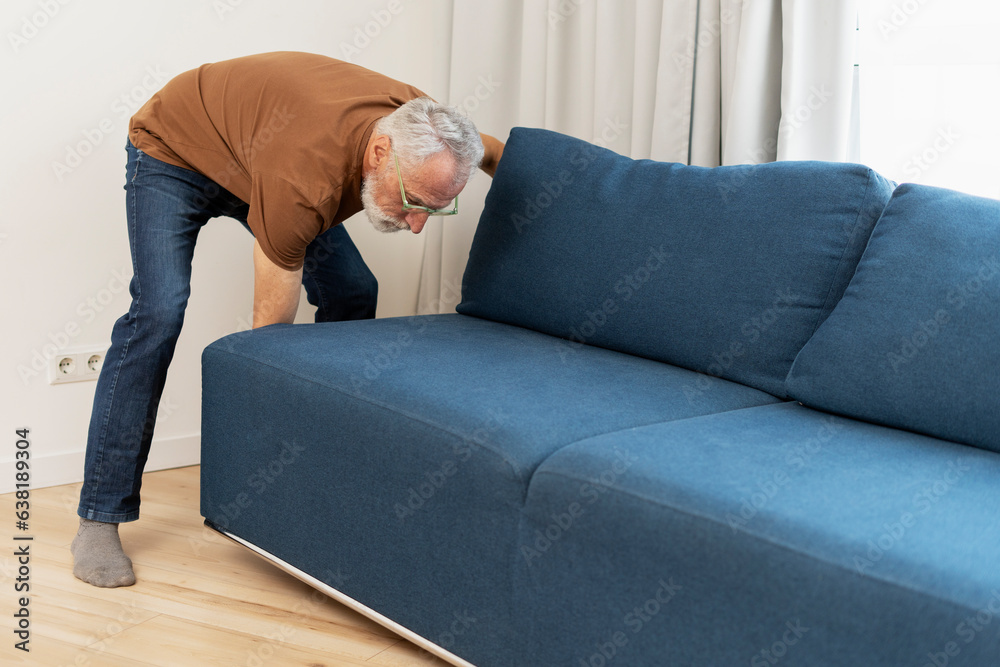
pixel 726 271
pixel 914 341
pixel 408 444
pixel 771 532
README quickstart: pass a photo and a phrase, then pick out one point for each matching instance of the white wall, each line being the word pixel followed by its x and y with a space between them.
pixel 73 72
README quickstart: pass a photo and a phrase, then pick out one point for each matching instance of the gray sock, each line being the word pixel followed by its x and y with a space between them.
pixel 98 558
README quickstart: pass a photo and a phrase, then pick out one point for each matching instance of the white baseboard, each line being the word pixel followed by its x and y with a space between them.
pixel 67 467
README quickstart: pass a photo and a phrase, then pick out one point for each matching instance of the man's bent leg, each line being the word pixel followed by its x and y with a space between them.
pixel 337 280
pixel 166 208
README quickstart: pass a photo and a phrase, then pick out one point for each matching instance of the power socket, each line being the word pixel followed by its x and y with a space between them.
pixel 76 365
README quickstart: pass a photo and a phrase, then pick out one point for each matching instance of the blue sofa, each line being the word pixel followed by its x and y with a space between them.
pixel 684 416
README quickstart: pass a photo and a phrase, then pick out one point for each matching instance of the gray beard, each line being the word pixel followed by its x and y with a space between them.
pixel 380 220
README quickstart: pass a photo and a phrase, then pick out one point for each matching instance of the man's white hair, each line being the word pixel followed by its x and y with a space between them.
pixel 422 128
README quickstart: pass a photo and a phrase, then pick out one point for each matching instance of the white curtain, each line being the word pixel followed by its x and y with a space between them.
pixel 705 82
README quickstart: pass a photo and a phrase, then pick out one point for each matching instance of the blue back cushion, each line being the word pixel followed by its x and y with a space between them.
pixel 915 342
pixel 726 271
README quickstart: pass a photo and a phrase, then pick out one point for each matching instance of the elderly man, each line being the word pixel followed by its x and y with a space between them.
pixel 291 145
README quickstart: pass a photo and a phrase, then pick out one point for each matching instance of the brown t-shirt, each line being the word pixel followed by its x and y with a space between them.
pixel 285 132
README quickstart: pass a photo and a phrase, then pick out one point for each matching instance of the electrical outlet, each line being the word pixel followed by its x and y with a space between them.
pixel 76 365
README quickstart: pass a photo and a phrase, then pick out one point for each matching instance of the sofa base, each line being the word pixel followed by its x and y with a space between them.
pixel 346 600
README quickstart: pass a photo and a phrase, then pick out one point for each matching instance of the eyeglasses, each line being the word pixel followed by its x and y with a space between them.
pixel 407 206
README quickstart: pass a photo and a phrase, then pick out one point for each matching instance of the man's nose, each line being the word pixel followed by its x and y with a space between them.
pixel 416 221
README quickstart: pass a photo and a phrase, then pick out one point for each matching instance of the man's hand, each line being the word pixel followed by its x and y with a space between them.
pixel 491 157
pixel 275 291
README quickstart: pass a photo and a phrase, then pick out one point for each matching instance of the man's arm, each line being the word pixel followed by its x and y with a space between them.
pixel 493 150
pixel 275 291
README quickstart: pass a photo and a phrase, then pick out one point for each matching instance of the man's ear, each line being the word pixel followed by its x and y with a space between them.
pixel 381 151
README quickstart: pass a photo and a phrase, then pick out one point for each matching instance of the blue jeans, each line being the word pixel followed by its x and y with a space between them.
pixel 166 208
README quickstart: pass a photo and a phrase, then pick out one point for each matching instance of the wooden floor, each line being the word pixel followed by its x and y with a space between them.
pixel 200 599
